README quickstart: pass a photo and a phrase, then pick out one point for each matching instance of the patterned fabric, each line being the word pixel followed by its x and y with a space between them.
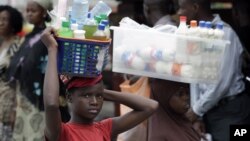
pixel 30 122
pixel 7 94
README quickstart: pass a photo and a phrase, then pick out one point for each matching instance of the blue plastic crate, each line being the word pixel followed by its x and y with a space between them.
pixel 84 58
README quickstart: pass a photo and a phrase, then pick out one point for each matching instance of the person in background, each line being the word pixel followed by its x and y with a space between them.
pixel 85 97
pixel 159 12
pixel 170 122
pixel 26 72
pixel 224 103
pixel 11 22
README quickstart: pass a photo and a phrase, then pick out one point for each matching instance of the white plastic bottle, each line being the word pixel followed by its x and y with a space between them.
pixel 218 32
pixel 181 56
pixel 80 10
pixel 182 28
pixel 201 29
pixel 210 31
pixel 193 30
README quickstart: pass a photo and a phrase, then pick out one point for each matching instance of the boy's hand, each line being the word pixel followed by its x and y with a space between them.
pixel 48 39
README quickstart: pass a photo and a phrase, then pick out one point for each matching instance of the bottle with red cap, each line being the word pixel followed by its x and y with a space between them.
pixel 182 28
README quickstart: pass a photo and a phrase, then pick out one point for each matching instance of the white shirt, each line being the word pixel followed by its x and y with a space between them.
pixel 206 96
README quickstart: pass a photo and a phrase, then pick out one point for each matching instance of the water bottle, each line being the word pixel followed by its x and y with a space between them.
pixel 101 8
pixel 80 10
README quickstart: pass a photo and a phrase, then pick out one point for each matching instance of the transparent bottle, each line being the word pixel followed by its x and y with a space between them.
pixel 80 10
pixel 90 26
pixel 100 34
pixel 101 8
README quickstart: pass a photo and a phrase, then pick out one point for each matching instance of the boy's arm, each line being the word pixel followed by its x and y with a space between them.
pixel 142 109
pixel 51 88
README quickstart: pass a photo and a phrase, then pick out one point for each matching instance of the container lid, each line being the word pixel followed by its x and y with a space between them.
pixel 183 18
pixel 208 24
pixel 65 24
pixel 219 25
pixel 105 22
pixel 193 23
pixel 202 24
pixel 101 26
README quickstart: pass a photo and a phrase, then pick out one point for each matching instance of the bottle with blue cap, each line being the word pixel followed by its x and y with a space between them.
pixel 106 30
pixel 201 29
pixel 210 31
pixel 90 26
pixel 100 34
pixel 218 32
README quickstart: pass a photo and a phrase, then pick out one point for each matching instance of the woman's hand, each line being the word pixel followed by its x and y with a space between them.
pixel 48 38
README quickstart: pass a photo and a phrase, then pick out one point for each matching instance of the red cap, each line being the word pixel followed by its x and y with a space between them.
pixel 77 82
pixel 183 18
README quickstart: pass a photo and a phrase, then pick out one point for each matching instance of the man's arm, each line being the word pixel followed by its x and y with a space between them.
pixel 142 109
pixel 51 88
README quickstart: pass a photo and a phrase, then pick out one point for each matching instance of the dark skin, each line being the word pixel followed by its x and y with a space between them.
pixel 35 14
pixel 89 98
pixel 194 11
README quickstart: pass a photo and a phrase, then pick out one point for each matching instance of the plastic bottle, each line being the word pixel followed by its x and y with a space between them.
pixel 201 29
pixel 193 30
pixel 218 32
pixel 80 10
pixel 182 28
pixel 90 26
pixel 101 8
pixel 210 31
pixel 100 34
pixel 79 34
pixel 106 30
pixel 181 55
pixel 65 30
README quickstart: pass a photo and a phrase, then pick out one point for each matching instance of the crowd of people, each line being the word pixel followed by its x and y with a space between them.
pixel 31 91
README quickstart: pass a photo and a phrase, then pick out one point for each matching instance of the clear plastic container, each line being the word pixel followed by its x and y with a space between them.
pixel 80 10
pixel 153 54
pixel 101 8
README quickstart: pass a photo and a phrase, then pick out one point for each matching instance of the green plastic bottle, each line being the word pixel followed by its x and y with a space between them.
pixel 65 30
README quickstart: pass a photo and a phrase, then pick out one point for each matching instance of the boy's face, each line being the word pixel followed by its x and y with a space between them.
pixel 87 102
pixel 179 102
